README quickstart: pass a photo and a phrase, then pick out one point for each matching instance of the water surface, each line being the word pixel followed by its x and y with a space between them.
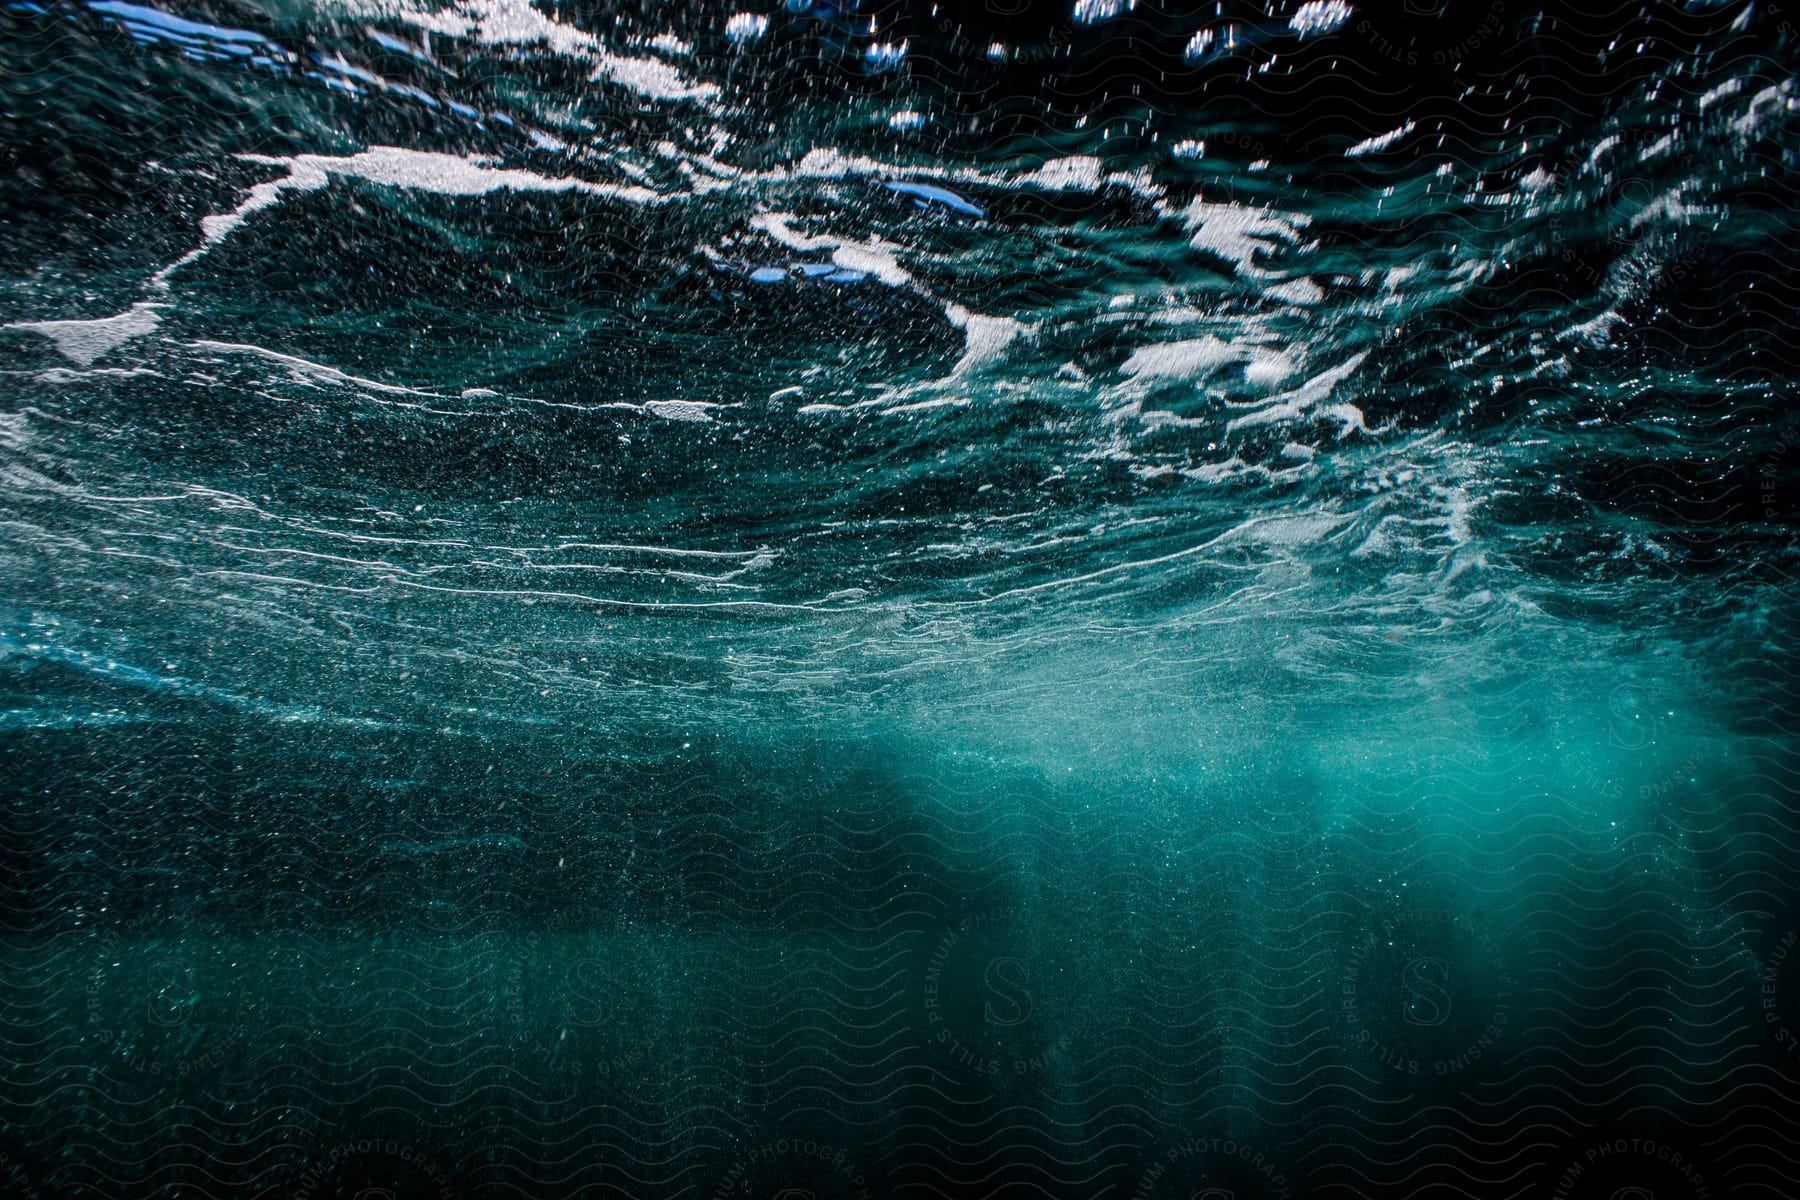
pixel 871 600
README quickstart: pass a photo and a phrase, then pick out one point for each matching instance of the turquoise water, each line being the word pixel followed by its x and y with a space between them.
pixel 1013 602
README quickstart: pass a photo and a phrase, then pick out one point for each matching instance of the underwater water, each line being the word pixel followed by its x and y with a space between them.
pixel 850 600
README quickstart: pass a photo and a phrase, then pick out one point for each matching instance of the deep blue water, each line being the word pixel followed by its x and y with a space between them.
pixel 896 600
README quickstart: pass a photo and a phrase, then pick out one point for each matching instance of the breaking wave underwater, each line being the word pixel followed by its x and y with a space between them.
pixel 871 599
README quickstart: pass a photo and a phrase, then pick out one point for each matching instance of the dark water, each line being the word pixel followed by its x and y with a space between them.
pixel 879 600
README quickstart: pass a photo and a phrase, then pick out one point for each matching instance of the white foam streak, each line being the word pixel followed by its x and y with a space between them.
pixel 984 338
pixel 1380 141
pixel 1303 399
pixel 1236 233
pixel 651 77
pixel 518 23
pixel 392 166
pixel 81 342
